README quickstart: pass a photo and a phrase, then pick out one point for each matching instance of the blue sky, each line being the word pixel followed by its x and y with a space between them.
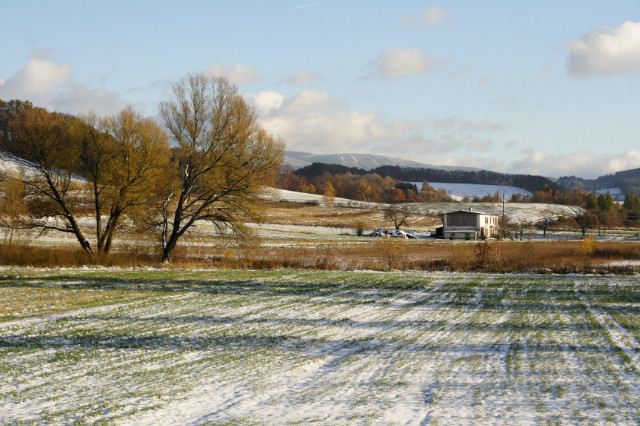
pixel 545 87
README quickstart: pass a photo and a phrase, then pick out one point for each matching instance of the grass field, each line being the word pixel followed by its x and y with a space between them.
pixel 332 348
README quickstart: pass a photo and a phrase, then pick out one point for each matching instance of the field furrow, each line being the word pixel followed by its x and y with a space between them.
pixel 332 348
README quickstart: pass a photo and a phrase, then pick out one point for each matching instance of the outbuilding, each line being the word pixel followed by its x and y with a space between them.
pixel 469 225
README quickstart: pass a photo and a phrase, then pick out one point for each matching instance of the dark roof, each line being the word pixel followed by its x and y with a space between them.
pixel 472 212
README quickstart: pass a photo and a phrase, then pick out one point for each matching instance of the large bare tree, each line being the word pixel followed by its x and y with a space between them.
pixel 48 147
pixel 222 160
pixel 123 157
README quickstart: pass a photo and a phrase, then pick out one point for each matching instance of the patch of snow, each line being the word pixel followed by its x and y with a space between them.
pixel 459 191
pixel 612 191
pixel 297 159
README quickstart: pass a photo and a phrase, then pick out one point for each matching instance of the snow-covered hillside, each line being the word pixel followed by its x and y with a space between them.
pixel 297 159
pixel 8 164
pixel 518 212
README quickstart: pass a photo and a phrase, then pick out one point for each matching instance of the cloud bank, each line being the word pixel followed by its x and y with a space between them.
pixel 314 121
pixel 581 163
pixel 606 51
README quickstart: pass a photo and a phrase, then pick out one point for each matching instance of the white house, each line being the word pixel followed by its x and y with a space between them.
pixel 469 225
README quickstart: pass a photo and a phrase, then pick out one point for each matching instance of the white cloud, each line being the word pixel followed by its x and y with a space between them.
pixel 606 51
pixel 397 63
pixel 406 21
pixel 36 79
pixel 49 84
pixel 303 77
pixel 81 99
pixel 433 15
pixel 266 102
pixel 580 163
pixel 237 74
pixel 314 121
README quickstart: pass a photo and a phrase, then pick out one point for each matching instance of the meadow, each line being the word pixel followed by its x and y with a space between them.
pixel 202 347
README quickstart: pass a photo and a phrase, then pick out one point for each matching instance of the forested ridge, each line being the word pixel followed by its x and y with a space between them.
pixel 627 180
pixel 531 183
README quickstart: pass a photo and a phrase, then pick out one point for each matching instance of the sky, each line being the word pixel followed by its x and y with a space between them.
pixel 538 87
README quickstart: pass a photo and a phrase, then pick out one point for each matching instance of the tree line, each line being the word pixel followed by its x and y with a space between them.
pixel 389 184
pixel 356 184
pixel 627 180
pixel 602 213
pixel 531 183
pixel 123 170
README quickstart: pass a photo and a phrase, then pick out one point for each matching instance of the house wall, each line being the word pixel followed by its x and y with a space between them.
pixel 469 225
pixel 461 219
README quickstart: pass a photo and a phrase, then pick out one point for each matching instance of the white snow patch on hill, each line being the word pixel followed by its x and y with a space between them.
pixel 8 163
pixel 518 212
pixel 297 159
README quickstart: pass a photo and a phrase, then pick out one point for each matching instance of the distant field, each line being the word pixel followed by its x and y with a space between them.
pixel 460 190
pixel 333 348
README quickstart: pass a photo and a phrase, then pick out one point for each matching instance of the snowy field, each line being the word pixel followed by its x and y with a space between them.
pixel 519 212
pixel 149 347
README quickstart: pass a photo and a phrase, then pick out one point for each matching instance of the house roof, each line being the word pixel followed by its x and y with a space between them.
pixel 469 211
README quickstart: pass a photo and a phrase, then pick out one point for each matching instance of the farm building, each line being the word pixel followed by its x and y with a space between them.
pixel 469 225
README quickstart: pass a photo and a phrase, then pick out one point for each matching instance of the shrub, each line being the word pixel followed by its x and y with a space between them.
pixel 392 250
pixel 485 254
pixel 589 245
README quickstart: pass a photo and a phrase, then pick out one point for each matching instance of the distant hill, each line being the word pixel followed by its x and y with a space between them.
pixel 529 183
pixel 627 181
pixel 297 159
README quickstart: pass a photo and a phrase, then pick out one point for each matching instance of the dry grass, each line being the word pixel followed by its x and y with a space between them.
pixel 336 217
pixel 495 256
pixel 25 255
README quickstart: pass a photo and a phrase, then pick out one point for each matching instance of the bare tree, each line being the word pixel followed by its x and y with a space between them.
pixel 586 221
pixel 548 219
pixel 398 214
pixel 223 159
pixel 48 146
pixel 124 156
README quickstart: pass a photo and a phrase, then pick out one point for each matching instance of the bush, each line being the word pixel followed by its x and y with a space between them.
pixel 485 254
pixel 392 250
pixel 589 245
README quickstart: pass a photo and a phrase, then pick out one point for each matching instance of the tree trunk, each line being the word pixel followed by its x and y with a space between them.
pixel 104 244
pixel 168 249
pixel 81 239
